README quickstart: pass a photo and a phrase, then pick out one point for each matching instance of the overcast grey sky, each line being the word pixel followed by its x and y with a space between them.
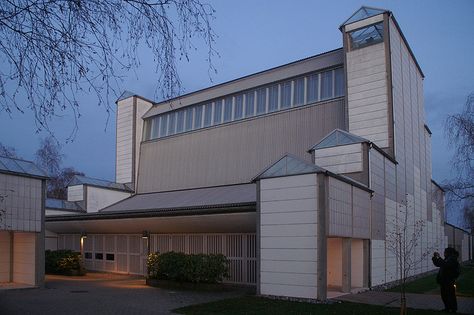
pixel 257 35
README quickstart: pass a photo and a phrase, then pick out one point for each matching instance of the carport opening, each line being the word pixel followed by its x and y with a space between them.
pixel 346 264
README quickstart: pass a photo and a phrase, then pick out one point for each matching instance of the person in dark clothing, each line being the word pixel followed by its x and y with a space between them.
pixel 449 270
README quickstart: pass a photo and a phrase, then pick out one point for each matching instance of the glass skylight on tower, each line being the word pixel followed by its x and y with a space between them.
pixel 363 13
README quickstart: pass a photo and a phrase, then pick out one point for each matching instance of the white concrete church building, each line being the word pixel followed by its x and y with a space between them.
pixel 298 174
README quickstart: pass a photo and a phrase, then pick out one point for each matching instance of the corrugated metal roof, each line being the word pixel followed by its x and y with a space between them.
pixel 60 204
pixel 338 137
pixel 289 165
pixel 191 198
pixel 84 180
pixel 20 167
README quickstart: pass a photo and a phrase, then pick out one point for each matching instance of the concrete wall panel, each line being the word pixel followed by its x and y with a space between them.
pixel 236 152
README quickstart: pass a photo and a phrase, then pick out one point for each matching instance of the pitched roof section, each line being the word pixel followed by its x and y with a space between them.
pixel 328 59
pixel 363 13
pixel 289 165
pixel 200 198
pixel 126 94
pixel 338 137
pixel 59 204
pixel 20 167
pixel 84 180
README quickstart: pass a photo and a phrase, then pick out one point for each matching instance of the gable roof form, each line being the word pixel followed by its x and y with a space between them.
pixel 21 167
pixel 289 165
pixel 363 13
pixel 338 137
pixel 84 180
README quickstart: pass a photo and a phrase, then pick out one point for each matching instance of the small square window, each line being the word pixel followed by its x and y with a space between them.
pixel 109 257
pixel 99 256
pixel 88 255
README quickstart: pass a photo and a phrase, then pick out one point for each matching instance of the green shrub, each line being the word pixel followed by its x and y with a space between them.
pixel 64 262
pixel 195 268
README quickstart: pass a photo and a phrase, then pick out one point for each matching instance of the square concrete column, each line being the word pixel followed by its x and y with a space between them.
pixel 366 264
pixel 346 265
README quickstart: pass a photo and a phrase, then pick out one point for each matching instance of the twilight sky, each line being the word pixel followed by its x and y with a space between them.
pixel 257 35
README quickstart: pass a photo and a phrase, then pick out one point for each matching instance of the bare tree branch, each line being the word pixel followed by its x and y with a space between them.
pixel 52 51
pixel 459 130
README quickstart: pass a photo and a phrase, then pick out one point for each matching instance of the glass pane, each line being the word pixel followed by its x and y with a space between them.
pixel 273 98
pixel 239 107
pixel 261 100
pixel 228 109
pixel 363 13
pixel 326 85
pixel 180 121
pixel 155 127
pixel 189 118
pixel 299 92
pixel 339 88
pixel 10 165
pixel 312 87
pixel 147 130
pixel 163 125
pixel 172 123
pixel 217 112
pixel 249 103
pixel 207 115
pixel 366 36
pixel 198 117
pixel 29 168
pixel 285 94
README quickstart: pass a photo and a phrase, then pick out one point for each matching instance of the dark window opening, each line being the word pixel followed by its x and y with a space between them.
pixel 88 255
pixel 99 256
pixel 109 257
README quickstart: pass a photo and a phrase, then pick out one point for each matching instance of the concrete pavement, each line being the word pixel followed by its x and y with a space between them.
pixel 100 293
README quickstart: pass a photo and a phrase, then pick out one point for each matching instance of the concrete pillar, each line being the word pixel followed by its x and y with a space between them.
pixel 366 264
pixel 5 255
pixel 323 203
pixel 346 265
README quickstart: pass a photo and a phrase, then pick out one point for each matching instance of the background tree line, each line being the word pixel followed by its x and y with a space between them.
pixel 49 158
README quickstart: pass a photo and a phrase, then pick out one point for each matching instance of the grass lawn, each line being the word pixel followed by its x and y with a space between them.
pixel 256 305
pixel 464 284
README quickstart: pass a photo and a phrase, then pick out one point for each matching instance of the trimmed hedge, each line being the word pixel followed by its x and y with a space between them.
pixel 64 262
pixel 194 268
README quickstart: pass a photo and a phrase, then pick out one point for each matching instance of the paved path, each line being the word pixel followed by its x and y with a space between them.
pixel 417 301
pixel 99 293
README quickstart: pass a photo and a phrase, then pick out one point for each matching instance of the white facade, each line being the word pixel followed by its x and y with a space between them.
pixel 288 236
pixel 21 223
pixel 320 225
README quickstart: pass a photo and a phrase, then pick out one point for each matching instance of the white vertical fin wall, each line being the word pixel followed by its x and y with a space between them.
pixel 124 142
pixel 340 159
pixel 142 107
pixel 126 253
pixel 288 236
pixel 367 96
